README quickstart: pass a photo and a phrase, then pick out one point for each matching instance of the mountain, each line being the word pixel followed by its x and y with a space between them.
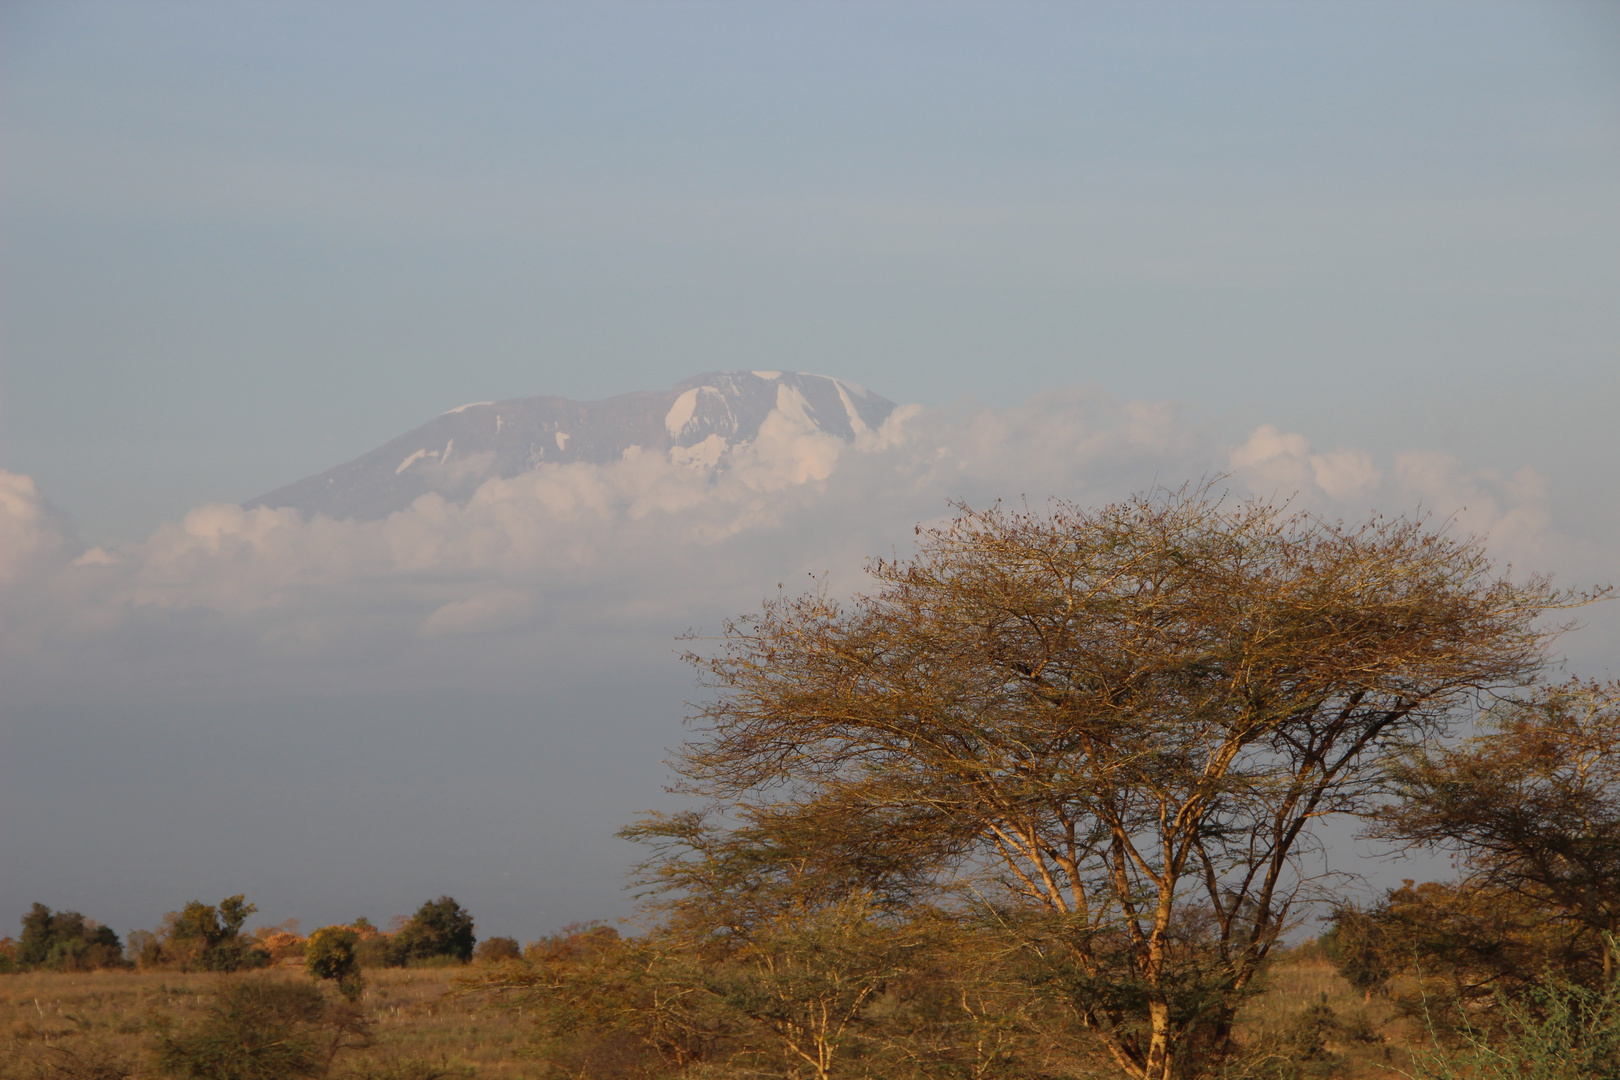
pixel 697 421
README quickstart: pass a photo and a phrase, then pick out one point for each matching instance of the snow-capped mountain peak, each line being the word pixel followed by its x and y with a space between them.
pixel 695 422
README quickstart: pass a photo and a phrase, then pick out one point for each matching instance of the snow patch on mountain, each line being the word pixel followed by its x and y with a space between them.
pixel 850 411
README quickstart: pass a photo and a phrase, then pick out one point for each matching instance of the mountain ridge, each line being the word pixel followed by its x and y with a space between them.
pixel 695 422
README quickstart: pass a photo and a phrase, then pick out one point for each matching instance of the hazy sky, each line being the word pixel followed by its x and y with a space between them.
pixel 245 242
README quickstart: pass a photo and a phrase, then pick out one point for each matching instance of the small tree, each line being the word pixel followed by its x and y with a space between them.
pixel 211 937
pixel 1119 725
pixel 330 954
pixel 374 948
pixel 1356 944
pixel 1532 808
pixel 793 946
pixel 439 928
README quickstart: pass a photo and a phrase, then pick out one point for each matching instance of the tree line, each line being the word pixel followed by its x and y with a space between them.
pixel 211 937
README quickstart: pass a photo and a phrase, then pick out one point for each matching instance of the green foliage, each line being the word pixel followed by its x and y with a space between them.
pixel 66 941
pixel 263 1029
pixel 375 951
pixel 1356 945
pixel 440 928
pixel 1451 953
pixel 146 948
pixel 1530 810
pixel 1561 1031
pixel 233 914
pixel 330 954
pixel 210 937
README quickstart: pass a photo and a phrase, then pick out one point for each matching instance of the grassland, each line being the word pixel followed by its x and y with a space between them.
pixel 101 1025
pixel 1369 1038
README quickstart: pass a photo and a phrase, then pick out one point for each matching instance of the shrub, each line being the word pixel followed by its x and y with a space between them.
pixel 210 937
pixel 146 948
pixel 329 954
pixel 1560 1031
pixel 280 943
pixel 263 1029
pixel 498 949
pixel 440 928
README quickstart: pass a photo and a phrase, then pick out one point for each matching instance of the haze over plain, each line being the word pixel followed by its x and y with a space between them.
pixel 1362 254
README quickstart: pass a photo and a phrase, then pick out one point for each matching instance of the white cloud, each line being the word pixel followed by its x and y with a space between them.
pixel 651 543
pixel 485 612
pixel 1272 462
pixel 1512 510
pixel 32 536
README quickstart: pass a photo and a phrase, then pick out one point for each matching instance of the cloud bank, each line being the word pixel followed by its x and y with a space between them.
pixel 652 540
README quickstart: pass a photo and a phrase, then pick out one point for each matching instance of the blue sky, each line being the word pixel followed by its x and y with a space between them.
pixel 245 242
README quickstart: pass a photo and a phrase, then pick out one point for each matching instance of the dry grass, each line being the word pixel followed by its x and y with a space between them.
pixel 1372 1039
pixel 100 1025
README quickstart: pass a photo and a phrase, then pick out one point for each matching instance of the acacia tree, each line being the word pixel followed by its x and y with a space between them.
pixel 1118 725
pixel 791 949
pixel 1532 807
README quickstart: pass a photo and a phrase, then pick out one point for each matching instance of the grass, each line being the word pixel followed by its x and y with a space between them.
pixel 1366 1037
pixel 101 1025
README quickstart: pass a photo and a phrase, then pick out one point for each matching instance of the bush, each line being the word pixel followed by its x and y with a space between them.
pixel 146 948
pixel 440 928
pixel 263 1029
pixel 281 943
pixel 497 950
pixel 1561 1031
pixel 329 954
pixel 210 937
pixel 375 951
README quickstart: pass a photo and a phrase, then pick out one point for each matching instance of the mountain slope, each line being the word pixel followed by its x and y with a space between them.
pixel 695 421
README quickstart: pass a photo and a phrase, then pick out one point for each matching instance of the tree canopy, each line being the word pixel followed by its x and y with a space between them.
pixel 1530 810
pixel 66 940
pixel 1115 727
pixel 439 928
